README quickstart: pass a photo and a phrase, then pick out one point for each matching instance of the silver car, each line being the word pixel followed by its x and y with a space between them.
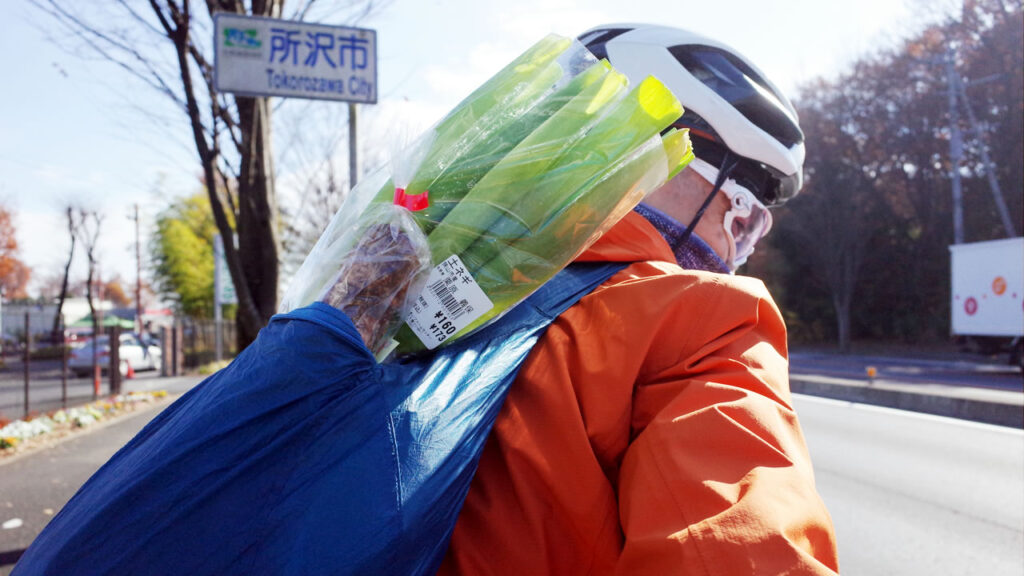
pixel 137 353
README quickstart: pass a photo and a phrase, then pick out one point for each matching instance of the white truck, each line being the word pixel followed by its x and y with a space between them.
pixel 987 296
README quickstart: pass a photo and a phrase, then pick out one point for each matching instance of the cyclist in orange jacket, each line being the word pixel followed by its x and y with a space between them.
pixel 651 430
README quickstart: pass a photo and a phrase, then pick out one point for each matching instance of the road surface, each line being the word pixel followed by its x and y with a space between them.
pixel 913 494
pixel 46 387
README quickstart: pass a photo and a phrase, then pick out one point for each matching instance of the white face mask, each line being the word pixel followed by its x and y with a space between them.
pixel 747 220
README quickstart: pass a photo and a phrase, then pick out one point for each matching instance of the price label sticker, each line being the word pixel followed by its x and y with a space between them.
pixel 450 301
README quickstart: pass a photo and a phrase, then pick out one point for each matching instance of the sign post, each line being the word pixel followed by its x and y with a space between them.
pixel 223 293
pixel 271 57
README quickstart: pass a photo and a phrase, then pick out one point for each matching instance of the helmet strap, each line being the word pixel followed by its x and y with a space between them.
pixel 729 163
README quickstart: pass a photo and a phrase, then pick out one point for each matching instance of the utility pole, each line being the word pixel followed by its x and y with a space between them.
pixel 138 271
pixel 990 167
pixel 956 149
pixel 957 95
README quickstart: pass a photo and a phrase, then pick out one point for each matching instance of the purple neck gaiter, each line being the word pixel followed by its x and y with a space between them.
pixel 694 254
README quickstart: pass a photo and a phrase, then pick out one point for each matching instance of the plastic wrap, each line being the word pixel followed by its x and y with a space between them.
pixel 511 186
pixel 389 260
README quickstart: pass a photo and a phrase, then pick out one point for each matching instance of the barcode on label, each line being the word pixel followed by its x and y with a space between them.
pixel 452 305
pixel 450 301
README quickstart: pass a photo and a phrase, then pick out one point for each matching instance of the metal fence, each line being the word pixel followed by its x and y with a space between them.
pixel 36 375
pixel 200 341
pixel 34 378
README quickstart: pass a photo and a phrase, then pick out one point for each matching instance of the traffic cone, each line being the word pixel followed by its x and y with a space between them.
pixel 131 371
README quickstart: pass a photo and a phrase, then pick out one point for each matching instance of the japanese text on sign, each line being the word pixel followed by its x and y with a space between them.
pixel 268 57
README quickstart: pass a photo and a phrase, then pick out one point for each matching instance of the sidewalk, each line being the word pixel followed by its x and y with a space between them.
pixel 981 391
pixel 34 485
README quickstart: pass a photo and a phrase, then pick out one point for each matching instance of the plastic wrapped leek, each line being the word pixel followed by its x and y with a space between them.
pixel 448 159
pixel 505 191
pixel 509 266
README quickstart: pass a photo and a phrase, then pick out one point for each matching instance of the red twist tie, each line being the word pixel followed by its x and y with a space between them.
pixel 412 202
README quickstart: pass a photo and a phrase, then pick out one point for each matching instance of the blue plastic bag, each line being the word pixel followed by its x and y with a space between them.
pixel 305 456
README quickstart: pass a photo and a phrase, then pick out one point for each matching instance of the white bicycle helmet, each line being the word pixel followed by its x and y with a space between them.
pixel 732 110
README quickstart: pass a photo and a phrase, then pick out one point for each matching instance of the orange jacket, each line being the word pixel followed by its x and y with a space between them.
pixel 650 431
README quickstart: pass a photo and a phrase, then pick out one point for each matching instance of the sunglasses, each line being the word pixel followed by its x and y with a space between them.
pixel 746 221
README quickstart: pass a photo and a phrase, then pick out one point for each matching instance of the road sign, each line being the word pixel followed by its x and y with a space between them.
pixel 273 57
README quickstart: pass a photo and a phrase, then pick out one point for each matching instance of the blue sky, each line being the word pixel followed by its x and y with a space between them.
pixel 69 135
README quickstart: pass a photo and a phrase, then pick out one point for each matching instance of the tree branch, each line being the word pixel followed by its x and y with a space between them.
pixel 103 43
pixel 302 12
pixel 138 17
pixel 168 29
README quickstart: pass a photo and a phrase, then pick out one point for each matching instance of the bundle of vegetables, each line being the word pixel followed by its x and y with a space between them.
pixel 504 192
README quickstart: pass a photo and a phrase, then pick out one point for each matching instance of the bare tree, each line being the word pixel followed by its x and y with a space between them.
pixel 88 231
pixel 231 134
pixel 67 271
pixel 322 198
pixel 870 232
pixel 833 219
pixel 312 151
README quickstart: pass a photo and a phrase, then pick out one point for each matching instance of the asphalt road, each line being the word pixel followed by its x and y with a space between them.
pixel 913 494
pixel 46 387
pixel 45 391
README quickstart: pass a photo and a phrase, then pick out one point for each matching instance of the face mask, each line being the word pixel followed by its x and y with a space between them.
pixel 747 220
pixel 691 254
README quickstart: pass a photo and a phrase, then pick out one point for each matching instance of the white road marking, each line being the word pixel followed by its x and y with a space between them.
pixel 910 414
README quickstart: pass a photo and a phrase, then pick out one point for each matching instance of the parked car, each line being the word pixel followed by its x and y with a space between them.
pixel 140 354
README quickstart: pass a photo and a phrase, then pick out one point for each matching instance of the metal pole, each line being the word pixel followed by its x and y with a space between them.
pixel 138 274
pixel 115 359
pixel 179 356
pixel 218 286
pixel 353 161
pixel 218 327
pixel 176 344
pixel 63 364
pixel 218 338
pixel 3 352
pixel 956 147
pixel 990 167
pixel 165 351
pixel 28 360
pixel 98 310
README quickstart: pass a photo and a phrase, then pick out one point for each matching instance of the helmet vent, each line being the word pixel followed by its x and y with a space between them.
pixel 739 85
pixel 595 40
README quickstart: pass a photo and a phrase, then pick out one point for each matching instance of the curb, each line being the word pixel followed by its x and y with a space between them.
pixel 38 444
pixel 176 386
pixel 1002 414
